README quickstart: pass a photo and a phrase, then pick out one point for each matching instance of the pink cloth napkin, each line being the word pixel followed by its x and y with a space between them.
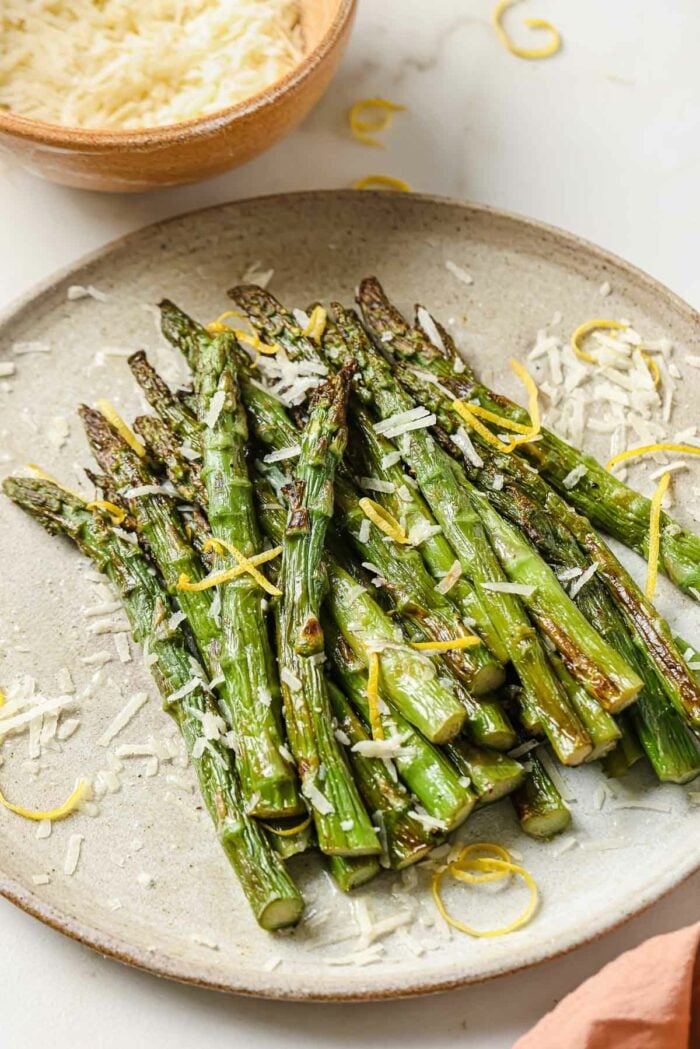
pixel 648 998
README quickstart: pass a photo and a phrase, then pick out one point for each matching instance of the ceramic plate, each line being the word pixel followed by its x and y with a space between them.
pixel 151 886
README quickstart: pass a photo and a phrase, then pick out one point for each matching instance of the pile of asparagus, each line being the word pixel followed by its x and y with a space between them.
pixel 357 617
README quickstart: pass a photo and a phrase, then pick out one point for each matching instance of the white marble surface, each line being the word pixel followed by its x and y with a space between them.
pixel 602 140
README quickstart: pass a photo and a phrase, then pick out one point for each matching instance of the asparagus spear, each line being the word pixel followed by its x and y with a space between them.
pixel 539 806
pixel 423 768
pixel 465 532
pixel 493 775
pixel 273 897
pixel 246 658
pixel 521 494
pixel 406 839
pixel 267 778
pixel 350 872
pixel 600 725
pixel 172 409
pixel 342 824
pixel 609 503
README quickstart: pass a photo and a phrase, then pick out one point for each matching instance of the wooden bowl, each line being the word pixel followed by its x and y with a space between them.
pixel 149 158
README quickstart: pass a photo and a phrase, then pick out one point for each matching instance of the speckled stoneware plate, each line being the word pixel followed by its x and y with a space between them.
pixel 151 886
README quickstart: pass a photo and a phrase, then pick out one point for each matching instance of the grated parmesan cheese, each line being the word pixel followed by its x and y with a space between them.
pixel 70 864
pixel 129 711
pixel 522 589
pixel 121 64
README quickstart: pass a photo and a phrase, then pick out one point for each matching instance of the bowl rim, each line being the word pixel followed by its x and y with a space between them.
pixel 75 138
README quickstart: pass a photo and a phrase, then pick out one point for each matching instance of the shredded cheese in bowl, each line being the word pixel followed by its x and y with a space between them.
pixel 122 64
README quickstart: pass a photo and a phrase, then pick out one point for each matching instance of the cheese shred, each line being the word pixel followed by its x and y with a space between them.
pixel 478 870
pixel 115 512
pixel 82 789
pixel 375 722
pixel 546 51
pixel 114 418
pixel 655 536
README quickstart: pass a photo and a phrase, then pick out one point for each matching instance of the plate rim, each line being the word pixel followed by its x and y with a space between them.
pixel 157 963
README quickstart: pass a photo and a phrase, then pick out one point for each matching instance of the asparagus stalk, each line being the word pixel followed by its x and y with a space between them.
pixel 466 534
pixel 590 659
pixel 600 725
pixel 425 770
pixel 608 503
pixel 539 806
pixel 407 676
pixel 272 895
pixel 405 838
pixel 268 780
pixel 246 658
pixel 342 824
pixel 172 409
pixel 350 872
pixel 493 775
pixel 521 494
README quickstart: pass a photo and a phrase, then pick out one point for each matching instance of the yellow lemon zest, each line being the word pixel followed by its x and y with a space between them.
pixel 499 420
pixel 655 536
pixel 317 324
pixel 255 342
pixel 448 645
pixel 653 368
pixel 465 412
pixel 82 788
pixel 115 512
pixel 382 182
pixel 375 722
pixel 3 697
pixel 384 521
pixel 363 129
pixel 525 433
pixel 648 449
pixel 217 327
pixel 247 564
pixel 216 578
pixel 288 832
pixel 477 871
pixel 125 432
pixel 585 329
pixel 252 339
pixel 43 476
pixel 482 846
pixel 535 23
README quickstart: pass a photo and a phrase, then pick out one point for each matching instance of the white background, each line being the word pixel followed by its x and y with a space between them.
pixel 603 140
